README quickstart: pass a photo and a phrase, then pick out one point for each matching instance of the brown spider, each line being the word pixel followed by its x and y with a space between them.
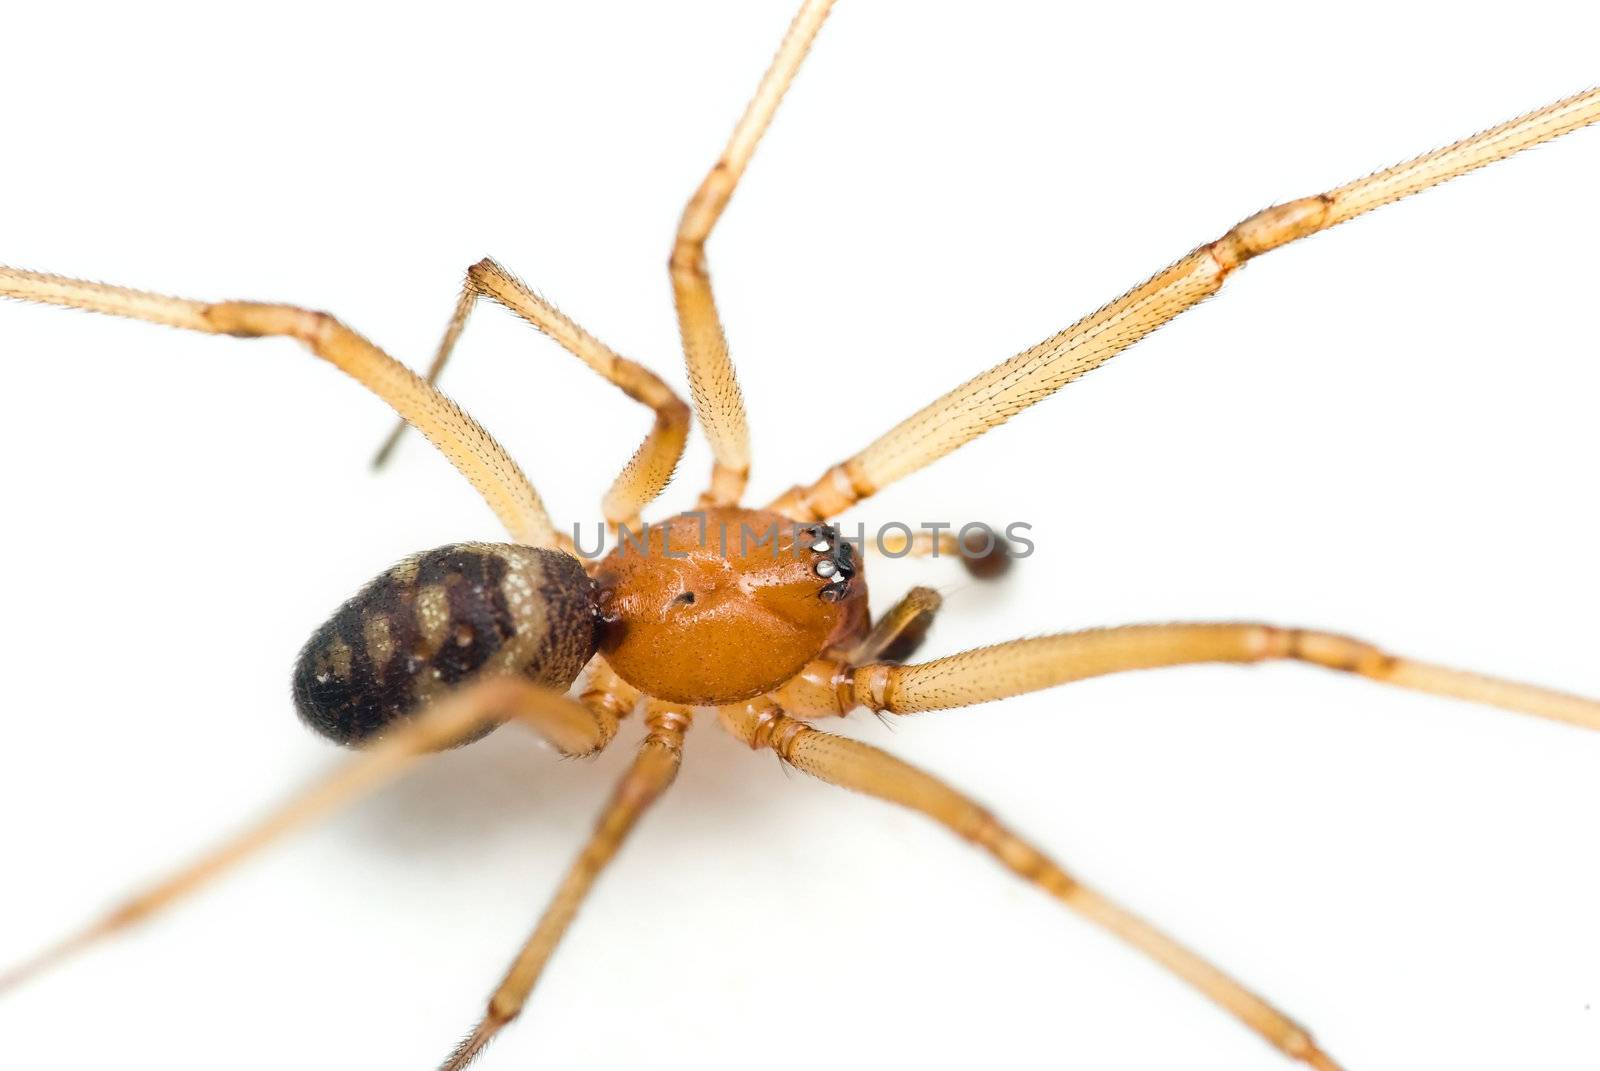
pixel 439 649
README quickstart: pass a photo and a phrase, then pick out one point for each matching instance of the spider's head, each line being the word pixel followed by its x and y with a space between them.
pixel 724 605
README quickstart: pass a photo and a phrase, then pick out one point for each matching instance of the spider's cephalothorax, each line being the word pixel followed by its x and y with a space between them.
pixel 437 618
pixel 724 605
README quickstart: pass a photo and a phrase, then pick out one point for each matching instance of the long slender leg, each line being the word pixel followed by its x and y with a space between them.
pixel 1007 669
pixel 460 438
pixel 650 775
pixel 995 396
pixel 648 471
pixel 863 768
pixel 717 398
pixel 573 728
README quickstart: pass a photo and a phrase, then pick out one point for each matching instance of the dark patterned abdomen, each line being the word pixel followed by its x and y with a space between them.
pixel 437 619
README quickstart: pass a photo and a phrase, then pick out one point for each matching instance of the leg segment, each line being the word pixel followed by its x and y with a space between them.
pixel 822 689
pixel 997 395
pixel 470 449
pixel 573 728
pixel 715 387
pixel 651 466
pixel 607 695
pixel 863 768
pixel 1020 666
pixel 649 776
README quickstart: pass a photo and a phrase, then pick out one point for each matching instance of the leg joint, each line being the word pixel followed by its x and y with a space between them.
pixel 254 319
pixel 779 732
pixel 479 275
pixel 1270 228
pixel 668 721
pixel 871 687
pixel 1343 653
pixel 688 259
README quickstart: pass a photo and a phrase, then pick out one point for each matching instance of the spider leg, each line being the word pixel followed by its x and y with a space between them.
pixel 712 381
pixel 995 396
pixel 823 686
pixel 651 466
pixel 1008 669
pixel 574 728
pixel 608 695
pixel 651 774
pixel 468 446
pixel 863 768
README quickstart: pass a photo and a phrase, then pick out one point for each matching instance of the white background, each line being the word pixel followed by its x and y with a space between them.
pixel 1387 430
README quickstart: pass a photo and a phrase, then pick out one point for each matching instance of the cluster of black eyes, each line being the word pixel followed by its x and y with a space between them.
pixel 839 564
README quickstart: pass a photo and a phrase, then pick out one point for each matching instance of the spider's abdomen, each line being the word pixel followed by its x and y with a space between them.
pixel 435 620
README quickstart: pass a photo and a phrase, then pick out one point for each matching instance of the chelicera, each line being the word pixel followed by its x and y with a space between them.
pixel 766 636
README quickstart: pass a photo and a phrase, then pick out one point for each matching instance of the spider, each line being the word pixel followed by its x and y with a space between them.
pixel 799 652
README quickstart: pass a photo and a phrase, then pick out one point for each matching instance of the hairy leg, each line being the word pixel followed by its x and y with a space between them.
pixel 822 687
pixel 472 450
pixel 1008 669
pixel 863 768
pixel 651 466
pixel 995 396
pixel 574 728
pixel 650 775
pixel 712 381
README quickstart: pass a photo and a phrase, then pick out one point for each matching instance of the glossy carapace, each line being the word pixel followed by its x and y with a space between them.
pixel 724 605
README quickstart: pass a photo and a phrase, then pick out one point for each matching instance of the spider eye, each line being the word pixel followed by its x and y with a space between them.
pixel 838 561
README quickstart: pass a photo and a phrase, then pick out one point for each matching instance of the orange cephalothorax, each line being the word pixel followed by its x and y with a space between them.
pixel 727 604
